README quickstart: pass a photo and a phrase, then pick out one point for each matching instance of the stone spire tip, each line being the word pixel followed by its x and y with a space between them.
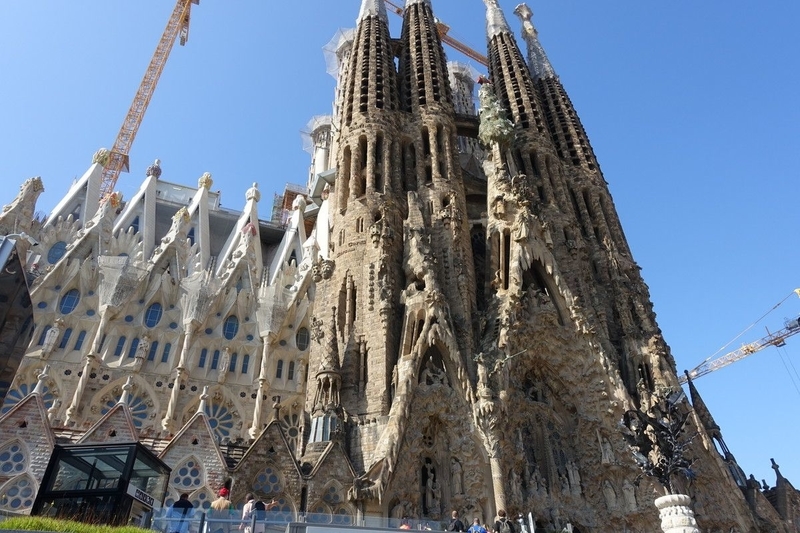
pixel 39 388
pixel 495 19
pixel 126 391
pixel 373 8
pixel 201 408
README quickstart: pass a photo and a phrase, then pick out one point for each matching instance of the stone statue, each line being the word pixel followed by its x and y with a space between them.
pixel 607 454
pixel 574 477
pixel 610 495
pixel 224 362
pixel 430 496
pixel 629 495
pixel 456 475
pixel 51 337
pixel 141 353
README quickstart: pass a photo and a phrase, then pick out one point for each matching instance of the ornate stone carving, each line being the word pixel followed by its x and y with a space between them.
pixel 102 156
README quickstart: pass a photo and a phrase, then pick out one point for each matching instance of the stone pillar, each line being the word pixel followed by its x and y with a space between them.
pixel 676 515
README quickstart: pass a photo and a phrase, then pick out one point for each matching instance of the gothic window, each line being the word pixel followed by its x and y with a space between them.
pixel 291 428
pixel 133 348
pixel 19 393
pixel 79 341
pixel 220 419
pixel 43 335
pixel 56 252
pixel 120 346
pixel 69 301
pixel 279 369
pixel 165 353
pixel 136 404
pixel 188 475
pixel 65 338
pixel 151 355
pixel 268 481
pixel 153 315
pixel 290 372
pixel 18 494
pixel 13 459
pixel 215 360
pixel 201 363
pixel 231 327
pixel 245 363
pixel 302 339
pixel 232 365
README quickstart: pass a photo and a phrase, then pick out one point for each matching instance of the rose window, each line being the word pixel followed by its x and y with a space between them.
pixel 137 407
pixel 268 482
pixel 17 394
pixel 13 459
pixel 19 494
pixel 220 419
pixel 188 476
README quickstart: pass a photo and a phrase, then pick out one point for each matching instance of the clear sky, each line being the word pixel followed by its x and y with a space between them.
pixel 691 107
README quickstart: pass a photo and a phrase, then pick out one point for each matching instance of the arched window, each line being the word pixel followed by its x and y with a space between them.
pixel 165 353
pixel 231 327
pixel 65 338
pixel 43 335
pixel 201 363
pixel 245 363
pixel 290 372
pixel 153 315
pixel 69 301
pixel 120 346
pixel 151 355
pixel 134 346
pixel 302 339
pixel 56 252
pixel 232 366
pixel 79 342
pixel 215 360
pixel 279 369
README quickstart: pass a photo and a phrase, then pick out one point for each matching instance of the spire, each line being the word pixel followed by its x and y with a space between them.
pixel 201 407
pixel 702 411
pixel 424 79
pixel 40 385
pixel 495 19
pixel 537 58
pixel 331 361
pixel 125 397
pixel 373 8
pixel 510 74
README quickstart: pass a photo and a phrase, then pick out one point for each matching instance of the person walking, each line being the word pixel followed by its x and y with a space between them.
pixel 455 524
pixel 179 515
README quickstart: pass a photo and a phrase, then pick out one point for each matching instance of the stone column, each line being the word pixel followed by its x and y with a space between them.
pixel 72 410
pixel 255 427
pixel 168 422
pixel 676 515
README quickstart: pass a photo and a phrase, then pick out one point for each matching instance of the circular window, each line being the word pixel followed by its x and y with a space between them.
pixel 302 339
pixel 56 252
pixel 69 302
pixel 231 327
pixel 153 315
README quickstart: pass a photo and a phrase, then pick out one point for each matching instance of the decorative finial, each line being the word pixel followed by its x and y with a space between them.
pixel 539 64
pixel 101 156
pixel 253 193
pixel 201 407
pixel 495 19
pixel 155 169
pixel 125 397
pixel 39 388
pixel 373 8
pixel 205 181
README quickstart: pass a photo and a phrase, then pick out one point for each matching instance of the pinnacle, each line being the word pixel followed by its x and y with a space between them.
pixel 495 19
pixel 373 8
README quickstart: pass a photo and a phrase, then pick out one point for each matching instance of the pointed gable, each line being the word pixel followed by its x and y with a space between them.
pixel 270 450
pixel 115 426
pixel 196 438
pixel 27 422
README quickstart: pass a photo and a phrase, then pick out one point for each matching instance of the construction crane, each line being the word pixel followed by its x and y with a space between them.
pixel 777 339
pixel 443 30
pixel 177 26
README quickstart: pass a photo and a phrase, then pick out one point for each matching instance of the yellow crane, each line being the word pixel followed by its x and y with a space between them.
pixel 177 26
pixel 443 30
pixel 777 339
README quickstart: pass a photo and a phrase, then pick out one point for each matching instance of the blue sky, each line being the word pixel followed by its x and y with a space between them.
pixel 691 107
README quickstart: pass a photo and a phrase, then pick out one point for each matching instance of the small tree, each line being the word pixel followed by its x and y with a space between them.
pixel 658 439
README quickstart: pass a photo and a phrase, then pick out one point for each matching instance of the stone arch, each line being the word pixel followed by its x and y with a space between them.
pixel 19 493
pixel 142 404
pixel 542 289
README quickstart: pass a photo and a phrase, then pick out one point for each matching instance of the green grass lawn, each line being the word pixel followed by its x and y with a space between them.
pixel 38 523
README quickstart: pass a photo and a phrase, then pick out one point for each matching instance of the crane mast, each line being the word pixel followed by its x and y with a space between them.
pixel 776 339
pixel 177 26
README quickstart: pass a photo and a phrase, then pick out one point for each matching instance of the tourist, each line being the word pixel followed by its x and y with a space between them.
pixel 179 515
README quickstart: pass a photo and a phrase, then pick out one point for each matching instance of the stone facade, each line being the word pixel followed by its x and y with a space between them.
pixel 450 318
